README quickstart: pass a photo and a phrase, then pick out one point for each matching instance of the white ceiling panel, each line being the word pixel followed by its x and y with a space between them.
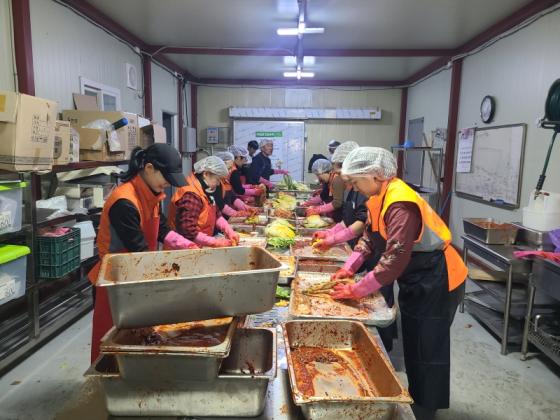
pixel 326 68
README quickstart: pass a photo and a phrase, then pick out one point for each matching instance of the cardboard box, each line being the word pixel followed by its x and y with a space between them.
pixel 61 143
pixel 74 149
pixel 94 146
pixel 153 133
pixel 127 136
pixel 27 126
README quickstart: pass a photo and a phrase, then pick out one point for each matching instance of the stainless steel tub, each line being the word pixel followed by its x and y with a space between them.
pixel 158 364
pixel 167 287
pixel 239 391
pixel 501 234
pixel 386 390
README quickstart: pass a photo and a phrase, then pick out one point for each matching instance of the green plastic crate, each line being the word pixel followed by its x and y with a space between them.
pixel 60 255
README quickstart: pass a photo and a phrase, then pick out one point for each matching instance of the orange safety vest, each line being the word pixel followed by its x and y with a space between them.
pixel 207 217
pixel 146 202
pixel 435 235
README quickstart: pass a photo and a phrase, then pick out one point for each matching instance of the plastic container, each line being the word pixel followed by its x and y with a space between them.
pixel 87 239
pixel 60 255
pixel 542 213
pixel 11 206
pixel 13 271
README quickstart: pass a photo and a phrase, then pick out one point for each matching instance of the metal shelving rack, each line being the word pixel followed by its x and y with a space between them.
pixel 48 305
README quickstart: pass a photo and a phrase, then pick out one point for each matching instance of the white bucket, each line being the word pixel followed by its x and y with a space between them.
pixel 542 213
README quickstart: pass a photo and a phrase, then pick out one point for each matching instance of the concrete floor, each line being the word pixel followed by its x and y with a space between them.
pixel 485 385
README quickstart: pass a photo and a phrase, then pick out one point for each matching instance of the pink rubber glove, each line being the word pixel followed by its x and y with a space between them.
pixel 269 185
pixel 228 211
pixel 224 227
pixel 203 239
pixel 366 286
pixel 313 201
pixel 542 254
pixel 252 192
pixel 339 237
pixel 173 240
pixel 281 172
pixel 322 234
pixel 342 274
pixel 325 208
pixel 354 262
pixel 240 205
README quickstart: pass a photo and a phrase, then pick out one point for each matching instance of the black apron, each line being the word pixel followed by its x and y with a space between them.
pixel 352 200
pixel 427 310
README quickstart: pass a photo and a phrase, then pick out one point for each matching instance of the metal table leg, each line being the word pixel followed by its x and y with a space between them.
pixel 528 316
pixel 507 310
pixel 465 257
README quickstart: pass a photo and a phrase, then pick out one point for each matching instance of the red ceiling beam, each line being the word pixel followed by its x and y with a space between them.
pixel 509 22
pixel 23 46
pixel 402 129
pixel 147 72
pixel 302 83
pixel 449 159
pixel 281 52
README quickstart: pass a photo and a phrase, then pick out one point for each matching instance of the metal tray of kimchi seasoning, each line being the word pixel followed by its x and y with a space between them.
pixel 338 371
pixel 166 287
pixel 371 310
pixel 303 248
pixel 189 351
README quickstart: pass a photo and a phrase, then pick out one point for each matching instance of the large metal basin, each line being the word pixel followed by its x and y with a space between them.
pixel 239 391
pixel 161 364
pixel 168 287
pixel 384 391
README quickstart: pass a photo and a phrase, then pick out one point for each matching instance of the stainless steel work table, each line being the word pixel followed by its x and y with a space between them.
pixel 501 257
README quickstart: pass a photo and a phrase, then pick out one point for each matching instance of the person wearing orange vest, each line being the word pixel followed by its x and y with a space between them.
pixel 130 220
pixel 193 210
pixel 332 195
pixel 417 252
pixel 233 206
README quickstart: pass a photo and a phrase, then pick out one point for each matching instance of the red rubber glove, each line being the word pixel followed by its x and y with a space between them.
pixel 281 172
pixel 344 291
pixel 312 211
pixel 341 274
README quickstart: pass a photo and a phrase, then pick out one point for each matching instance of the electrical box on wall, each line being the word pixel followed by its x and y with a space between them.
pixel 216 135
pixel 189 140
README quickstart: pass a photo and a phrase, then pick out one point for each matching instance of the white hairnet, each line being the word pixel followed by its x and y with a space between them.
pixel 321 166
pixel 225 156
pixel 264 142
pixel 236 151
pixel 211 164
pixel 370 160
pixel 342 151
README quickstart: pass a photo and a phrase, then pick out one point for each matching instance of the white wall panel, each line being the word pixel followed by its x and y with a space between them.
pixel 6 50
pixel 66 46
pixel 517 71
pixel 213 103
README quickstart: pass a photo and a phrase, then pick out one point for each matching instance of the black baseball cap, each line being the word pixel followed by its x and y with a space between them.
pixel 167 160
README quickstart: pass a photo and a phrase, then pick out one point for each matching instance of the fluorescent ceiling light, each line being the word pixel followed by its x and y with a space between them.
pixel 299 31
pixel 299 74
pixel 291 61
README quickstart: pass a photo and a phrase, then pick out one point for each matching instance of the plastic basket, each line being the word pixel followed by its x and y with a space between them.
pixel 60 255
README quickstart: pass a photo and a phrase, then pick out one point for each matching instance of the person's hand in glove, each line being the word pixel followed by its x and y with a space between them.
pixel 314 201
pixel 312 211
pixel 221 243
pixel 334 238
pixel 342 273
pixel 281 172
pixel 269 185
pixel 320 234
pixel 242 213
pixel 174 240
pixel 366 286
pixel 224 227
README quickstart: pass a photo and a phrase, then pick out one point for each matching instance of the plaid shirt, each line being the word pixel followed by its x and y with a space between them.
pixel 189 208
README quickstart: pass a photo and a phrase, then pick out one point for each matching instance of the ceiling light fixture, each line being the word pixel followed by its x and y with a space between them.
pixel 299 31
pixel 299 74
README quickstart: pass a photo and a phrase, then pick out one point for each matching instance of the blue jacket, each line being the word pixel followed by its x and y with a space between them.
pixel 261 166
